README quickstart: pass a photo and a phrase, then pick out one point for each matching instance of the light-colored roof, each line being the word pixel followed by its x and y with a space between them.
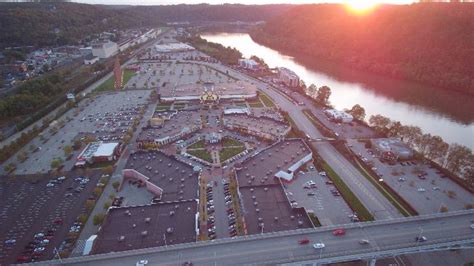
pixel 106 149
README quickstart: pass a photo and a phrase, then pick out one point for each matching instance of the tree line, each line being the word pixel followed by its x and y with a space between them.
pixel 430 42
pixel 226 55
pixel 456 158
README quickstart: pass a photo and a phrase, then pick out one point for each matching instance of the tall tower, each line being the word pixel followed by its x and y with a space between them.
pixel 118 74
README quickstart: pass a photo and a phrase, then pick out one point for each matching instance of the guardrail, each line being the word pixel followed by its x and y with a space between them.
pixel 253 237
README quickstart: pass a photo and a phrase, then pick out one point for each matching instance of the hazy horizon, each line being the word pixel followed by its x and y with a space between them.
pixel 218 2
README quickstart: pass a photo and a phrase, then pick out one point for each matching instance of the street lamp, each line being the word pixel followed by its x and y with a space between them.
pixel 419 236
pixel 164 237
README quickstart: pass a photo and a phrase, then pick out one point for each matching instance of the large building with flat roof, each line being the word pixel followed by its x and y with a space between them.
pixel 196 91
pixel 170 126
pixel 98 152
pixel 280 160
pixel 267 209
pixel 153 225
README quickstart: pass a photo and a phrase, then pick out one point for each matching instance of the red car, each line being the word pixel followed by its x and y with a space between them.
pixel 58 221
pixel 303 241
pixel 339 232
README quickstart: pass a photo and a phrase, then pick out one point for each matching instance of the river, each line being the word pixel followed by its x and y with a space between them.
pixel 438 112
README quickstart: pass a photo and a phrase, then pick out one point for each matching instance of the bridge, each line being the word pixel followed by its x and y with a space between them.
pixel 386 238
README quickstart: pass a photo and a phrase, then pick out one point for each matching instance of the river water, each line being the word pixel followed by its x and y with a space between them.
pixel 438 112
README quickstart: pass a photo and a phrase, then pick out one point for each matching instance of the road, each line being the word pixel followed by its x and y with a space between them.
pixel 386 237
pixel 372 199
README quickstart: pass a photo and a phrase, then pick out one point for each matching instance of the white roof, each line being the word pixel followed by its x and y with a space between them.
pixel 89 244
pixel 236 111
pixel 105 149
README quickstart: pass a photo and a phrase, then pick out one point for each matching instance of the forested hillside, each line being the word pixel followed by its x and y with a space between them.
pixel 61 23
pixel 42 24
pixel 431 42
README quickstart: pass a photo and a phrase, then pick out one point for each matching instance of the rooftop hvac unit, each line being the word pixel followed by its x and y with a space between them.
pixel 292 217
pixel 134 225
pixel 171 213
pixel 257 210
pixel 176 206
pixel 121 238
pixel 252 190
pixel 169 230
pixel 144 233
pixel 147 220
pixel 300 223
pixel 265 189
pixel 255 203
pixel 182 179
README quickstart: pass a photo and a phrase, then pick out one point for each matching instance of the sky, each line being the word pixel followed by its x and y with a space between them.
pixel 249 2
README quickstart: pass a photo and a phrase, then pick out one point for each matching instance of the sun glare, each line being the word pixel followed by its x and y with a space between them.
pixel 361 6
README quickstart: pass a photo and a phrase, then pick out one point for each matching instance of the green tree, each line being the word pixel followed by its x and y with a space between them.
pixel 109 169
pixel 358 112
pixel 67 150
pixel 77 144
pixel 98 218
pixel 458 158
pixel 116 185
pixel 379 122
pixel 323 95
pixel 437 148
pixel 56 163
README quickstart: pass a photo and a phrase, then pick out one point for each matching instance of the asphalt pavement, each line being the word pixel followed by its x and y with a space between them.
pixel 282 247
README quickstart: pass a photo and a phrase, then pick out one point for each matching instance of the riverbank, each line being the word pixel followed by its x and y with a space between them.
pixel 443 113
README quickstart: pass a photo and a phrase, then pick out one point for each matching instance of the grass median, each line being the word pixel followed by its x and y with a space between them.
pixel 351 199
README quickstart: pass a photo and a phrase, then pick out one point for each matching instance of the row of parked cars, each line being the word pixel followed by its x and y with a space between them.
pixel 211 227
pixel 36 248
pixel 230 211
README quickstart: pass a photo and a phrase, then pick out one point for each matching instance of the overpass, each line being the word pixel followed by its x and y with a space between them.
pixel 387 238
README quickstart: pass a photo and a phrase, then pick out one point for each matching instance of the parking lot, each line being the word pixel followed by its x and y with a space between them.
pixel 106 116
pixel 43 205
pixel 166 75
pixel 318 198
pixel 423 187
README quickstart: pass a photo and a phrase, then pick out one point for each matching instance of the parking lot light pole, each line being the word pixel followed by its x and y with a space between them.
pixel 164 237
pixel 419 236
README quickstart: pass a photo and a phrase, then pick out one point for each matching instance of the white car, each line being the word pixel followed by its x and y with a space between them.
pixel 50 185
pixel 322 173
pixel 421 189
pixel 472 226
pixel 141 263
pixel 319 245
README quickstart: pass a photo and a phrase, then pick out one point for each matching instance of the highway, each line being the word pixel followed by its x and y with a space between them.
pixel 386 238
pixel 372 199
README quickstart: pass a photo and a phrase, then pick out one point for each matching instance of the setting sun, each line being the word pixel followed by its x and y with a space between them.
pixel 361 6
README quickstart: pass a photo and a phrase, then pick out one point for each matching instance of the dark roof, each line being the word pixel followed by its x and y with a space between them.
pixel 268 162
pixel 271 202
pixel 177 179
pixel 131 227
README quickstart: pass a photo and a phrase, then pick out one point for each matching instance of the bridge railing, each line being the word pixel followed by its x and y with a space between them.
pixel 255 237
